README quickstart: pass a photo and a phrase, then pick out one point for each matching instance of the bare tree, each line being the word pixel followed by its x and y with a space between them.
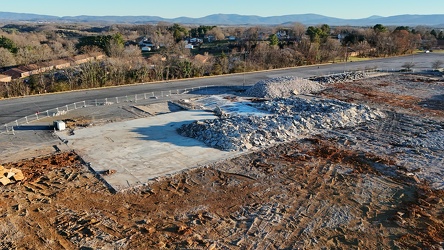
pixel 436 65
pixel 132 52
pixel 329 50
pixel 58 50
pixel 217 33
pixel 162 39
pixel 250 37
pixel 259 56
pixel 298 31
pixel 43 53
pixel 71 77
pixel 115 49
pixel 6 58
pixel 363 48
pixel 70 47
pixel 25 56
pixel 408 66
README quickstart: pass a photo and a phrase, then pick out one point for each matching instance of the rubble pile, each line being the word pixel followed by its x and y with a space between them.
pixel 283 87
pixel 10 175
pixel 288 119
pixel 341 77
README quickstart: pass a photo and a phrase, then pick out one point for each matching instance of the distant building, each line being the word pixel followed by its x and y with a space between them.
pixel 79 59
pixel 5 78
pixel 34 69
pixel 60 64
pixel 28 70
pixel 231 38
pixel 146 43
pixel 97 55
pixel 15 73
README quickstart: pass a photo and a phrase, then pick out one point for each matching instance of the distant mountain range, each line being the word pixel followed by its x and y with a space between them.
pixel 234 19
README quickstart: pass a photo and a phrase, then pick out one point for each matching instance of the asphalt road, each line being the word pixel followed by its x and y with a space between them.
pixel 16 108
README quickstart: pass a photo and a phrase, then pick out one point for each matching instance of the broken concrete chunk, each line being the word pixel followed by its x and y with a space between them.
pixel 2 171
pixel 5 181
pixel 9 175
pixel 18 176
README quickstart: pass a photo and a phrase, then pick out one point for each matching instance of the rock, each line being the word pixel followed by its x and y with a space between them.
pixel 18 175
pixel 4 181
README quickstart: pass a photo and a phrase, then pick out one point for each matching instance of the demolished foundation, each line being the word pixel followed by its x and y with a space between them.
pixel 288 119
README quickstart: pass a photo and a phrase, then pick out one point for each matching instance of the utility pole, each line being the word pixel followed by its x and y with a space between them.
pixel 346 57
pixel 245 66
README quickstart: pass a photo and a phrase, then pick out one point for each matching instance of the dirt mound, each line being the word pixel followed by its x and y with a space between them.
pixel 283 87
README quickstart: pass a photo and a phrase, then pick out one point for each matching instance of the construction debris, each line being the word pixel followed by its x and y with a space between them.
pixel 341 77
pixel 288 118
pixel 12 175
pixel 283 87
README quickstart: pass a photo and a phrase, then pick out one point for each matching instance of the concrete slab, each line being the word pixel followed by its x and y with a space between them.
pixel 142 149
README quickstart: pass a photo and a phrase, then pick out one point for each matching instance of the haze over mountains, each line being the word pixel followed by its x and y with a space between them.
pixel 235 19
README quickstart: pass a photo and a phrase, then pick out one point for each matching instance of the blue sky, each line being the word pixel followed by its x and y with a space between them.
pixel 200 8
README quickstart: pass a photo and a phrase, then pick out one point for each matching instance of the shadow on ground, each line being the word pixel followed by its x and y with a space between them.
pixel 167 133
pixel 218 90
pixel 435 103
pixel 33 127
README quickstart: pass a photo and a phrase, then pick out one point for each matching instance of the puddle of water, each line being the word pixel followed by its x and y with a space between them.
pixel 233 107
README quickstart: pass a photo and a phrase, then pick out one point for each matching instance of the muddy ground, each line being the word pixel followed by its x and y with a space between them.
pixel 367 187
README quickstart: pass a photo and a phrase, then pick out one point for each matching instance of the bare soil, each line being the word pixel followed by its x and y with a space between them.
pixel 319 192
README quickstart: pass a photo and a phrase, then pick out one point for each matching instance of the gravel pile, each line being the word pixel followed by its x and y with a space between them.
pixel 283 87
pixel 342 77
pixel 288 119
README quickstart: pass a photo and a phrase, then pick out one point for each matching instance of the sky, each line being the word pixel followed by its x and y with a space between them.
pixel 349 9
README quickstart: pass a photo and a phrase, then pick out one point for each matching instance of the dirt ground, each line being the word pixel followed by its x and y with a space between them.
pixel 356 188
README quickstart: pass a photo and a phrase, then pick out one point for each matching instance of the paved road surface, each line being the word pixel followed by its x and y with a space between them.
pixel 13 109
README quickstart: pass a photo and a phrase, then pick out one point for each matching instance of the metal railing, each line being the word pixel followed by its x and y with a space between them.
pixel 58 111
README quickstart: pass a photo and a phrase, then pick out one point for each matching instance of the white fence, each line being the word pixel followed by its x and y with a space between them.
pixel 9 127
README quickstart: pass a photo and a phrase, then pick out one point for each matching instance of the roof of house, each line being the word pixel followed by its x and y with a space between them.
pixel 58 62
pixel 27 68
pixel 96 54
pixel 14 73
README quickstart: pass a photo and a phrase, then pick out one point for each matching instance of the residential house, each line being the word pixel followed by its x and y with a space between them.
pixel 28 70
pixel 231 38
pixel 97 55
pixel 79 59
pixel 33 69
pixel 60 64
pixel 145 44
pixel 15 73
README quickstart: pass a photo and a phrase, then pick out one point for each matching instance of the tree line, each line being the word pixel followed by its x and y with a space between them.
pixel 253 48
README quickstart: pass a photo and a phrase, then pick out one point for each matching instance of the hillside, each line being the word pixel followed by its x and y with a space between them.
pixel 234 19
